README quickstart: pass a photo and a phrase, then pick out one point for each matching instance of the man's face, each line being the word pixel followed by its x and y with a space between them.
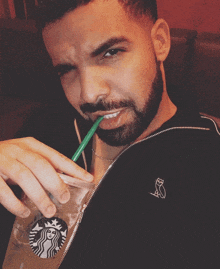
pixel 107 66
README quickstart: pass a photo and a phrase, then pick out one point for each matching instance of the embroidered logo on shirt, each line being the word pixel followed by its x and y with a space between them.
pixel 47 236
pixel 160 191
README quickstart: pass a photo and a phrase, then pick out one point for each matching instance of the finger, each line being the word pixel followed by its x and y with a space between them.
pixel 40 167
pixel 58 160
pixel 11 202
pixel 30 185
pixel 46 174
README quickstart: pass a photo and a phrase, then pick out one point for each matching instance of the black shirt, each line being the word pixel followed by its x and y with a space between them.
pixel 156 207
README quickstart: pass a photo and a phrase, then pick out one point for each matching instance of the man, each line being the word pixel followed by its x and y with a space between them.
pixel 156 166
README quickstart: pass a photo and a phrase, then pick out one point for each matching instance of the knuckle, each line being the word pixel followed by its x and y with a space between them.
pixel 20 174
pixel 26 141
pixel 30 139
pixel 39 161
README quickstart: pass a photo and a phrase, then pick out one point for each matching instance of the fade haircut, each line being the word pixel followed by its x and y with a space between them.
pixel 49 11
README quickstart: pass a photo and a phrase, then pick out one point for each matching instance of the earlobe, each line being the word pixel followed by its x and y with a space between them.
pixel 160 35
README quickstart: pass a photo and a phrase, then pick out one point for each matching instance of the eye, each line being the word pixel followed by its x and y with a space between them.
pixel 112 52
pixel 64 69
pixel 60 74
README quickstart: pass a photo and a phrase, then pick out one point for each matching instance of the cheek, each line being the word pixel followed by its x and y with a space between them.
pixel 144 70
pixel 135 80
pixel 72 92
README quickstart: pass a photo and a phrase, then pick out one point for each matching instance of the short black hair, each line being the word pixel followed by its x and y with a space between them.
pixel 49 11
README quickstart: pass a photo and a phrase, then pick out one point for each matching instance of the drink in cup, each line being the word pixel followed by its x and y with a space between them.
pixel 39 242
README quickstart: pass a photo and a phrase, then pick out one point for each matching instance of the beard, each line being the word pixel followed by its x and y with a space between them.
pixel 128 133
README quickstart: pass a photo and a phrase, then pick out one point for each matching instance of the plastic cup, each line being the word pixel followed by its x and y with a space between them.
pixel 39 242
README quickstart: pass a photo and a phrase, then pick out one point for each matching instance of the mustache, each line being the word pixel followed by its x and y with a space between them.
pixel 104 106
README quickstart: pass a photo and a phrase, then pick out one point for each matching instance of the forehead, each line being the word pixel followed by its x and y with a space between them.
pixel 87 26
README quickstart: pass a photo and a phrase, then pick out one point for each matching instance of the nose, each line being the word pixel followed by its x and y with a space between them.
pixel 94 85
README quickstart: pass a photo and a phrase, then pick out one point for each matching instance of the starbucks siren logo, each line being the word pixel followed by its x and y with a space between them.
pixel 47 236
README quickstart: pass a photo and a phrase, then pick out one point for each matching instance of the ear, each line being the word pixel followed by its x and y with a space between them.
pixel 160 34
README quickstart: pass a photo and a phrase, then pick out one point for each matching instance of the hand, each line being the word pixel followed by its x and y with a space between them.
pixel 33 166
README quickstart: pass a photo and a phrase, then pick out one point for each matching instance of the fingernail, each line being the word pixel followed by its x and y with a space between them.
pixel 65 197
pixel 26 213
pixel 51 210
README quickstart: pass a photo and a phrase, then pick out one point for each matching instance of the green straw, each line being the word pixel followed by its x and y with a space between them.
pixel 86 139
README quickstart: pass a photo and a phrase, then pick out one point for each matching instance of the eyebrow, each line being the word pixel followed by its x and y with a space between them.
pixel 62 68
pixel 107 44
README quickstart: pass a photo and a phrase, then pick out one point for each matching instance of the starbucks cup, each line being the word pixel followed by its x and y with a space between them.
pixel 39 242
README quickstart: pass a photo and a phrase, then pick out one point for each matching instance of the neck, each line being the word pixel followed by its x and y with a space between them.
pixel 103 157
pixel 165 112
pixel 104 150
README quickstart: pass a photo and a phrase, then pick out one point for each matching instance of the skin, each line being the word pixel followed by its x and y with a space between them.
pixel 33 165
pixel 121 71
pixel 127 74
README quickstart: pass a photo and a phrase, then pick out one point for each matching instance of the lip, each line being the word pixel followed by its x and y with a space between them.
pixel 115 122
pixel 94 116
